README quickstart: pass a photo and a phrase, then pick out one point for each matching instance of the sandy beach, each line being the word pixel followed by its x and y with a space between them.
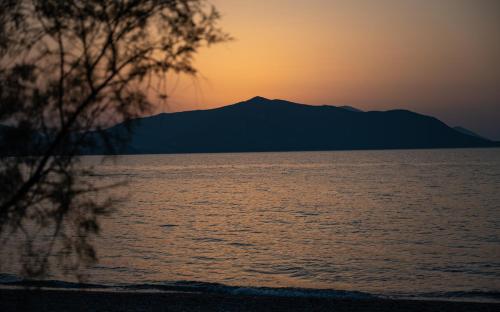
pixel 78 300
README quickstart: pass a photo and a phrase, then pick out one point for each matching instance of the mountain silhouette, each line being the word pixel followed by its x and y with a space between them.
pixel 260 124
pixel 467 131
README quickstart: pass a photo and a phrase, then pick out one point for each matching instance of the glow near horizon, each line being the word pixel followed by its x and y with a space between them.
pixel 440 58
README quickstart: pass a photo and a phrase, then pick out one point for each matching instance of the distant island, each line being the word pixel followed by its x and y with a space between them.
pixel 261 124
pixel 264 125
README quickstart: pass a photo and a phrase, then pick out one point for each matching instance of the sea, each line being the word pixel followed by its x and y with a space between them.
pixel 421 224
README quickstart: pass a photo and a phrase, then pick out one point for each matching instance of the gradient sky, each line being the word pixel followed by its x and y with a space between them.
pixel 440 58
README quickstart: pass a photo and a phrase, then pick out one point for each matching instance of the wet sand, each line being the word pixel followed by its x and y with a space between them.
pixel 78 300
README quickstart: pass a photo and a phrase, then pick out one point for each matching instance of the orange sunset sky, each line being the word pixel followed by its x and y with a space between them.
pixel 440 58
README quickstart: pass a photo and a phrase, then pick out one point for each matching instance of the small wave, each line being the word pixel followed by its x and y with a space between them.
pixel 215 288
pixel 221 289
pixel 52 284
pixel 169 225
pixel 238 244
pixel 9 278
pixel 474 295
pixel 208 239
pixel 190 286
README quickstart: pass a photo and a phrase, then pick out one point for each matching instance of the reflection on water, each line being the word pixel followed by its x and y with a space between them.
pixel 383 222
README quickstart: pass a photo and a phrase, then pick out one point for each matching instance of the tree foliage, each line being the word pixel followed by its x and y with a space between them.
pixel 68 69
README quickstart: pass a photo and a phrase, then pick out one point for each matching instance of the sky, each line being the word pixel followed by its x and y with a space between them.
pixel 440 58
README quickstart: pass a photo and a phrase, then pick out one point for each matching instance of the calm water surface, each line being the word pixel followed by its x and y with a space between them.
pixel 409 222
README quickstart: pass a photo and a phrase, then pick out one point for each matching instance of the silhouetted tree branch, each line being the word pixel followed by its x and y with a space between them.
pixel 67 70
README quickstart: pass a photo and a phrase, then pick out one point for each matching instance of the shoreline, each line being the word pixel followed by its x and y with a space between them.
pixel 104 300
pixel 294 151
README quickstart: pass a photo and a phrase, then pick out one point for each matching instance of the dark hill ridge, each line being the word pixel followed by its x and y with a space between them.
pixel 260 124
